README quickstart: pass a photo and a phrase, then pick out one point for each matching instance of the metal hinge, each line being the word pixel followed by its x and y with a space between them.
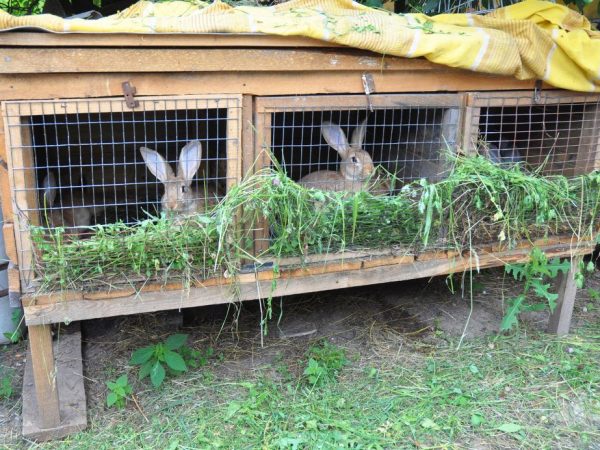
pixel 369 88
pixel 129 92
pixel 537 91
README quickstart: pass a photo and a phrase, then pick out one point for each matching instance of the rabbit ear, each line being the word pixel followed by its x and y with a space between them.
pixel 358 137
pixel 49 184
pixel 336 138
pixel 189 161
pixel 157 165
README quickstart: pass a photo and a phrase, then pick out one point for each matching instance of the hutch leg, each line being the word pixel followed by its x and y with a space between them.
pixel 560 320
pixel 44 375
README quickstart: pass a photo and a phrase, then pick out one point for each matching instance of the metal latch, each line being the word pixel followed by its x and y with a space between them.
pixel 537 91
pixel 369 88
pixel 129 91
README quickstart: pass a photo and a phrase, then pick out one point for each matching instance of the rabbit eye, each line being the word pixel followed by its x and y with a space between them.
pixel 184 189
pixel 353 159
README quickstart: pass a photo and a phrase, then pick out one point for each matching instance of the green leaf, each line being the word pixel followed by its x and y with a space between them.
pixel 517 271
pixel 141 355
pixel 145 369
pixel 476 420
pixel 510 427
pixel 542 291
pixel 121 381
pixel 590 266
pixel 111 399
pixel 429 424
pixel 175 361
pixel 157 374
pixel 555 265
pixel 510 318
pixel 473 368
pixel 175 341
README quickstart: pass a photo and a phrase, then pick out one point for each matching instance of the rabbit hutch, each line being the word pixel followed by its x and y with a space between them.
pixel 141 173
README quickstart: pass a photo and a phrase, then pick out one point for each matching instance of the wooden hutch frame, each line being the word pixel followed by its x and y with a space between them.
pixel 38 66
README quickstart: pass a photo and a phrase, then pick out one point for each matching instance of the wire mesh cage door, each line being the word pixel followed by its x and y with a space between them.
pixel 557 133
pixel 337 143
pixel 78 163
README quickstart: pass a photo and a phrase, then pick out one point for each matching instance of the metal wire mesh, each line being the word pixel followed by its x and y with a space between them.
pixel 79 163
pixel 408 143
pixel 558 135
pixel 352 149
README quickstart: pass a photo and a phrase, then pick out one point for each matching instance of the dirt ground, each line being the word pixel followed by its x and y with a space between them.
pixel 422 310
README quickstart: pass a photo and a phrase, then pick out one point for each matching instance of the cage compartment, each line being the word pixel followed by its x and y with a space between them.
pixel 74 163
pixel 406 136
pixel 559 134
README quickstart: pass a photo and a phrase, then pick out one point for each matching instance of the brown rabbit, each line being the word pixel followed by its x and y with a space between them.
pixel 355 168
pixel 72 214
pixel 180 197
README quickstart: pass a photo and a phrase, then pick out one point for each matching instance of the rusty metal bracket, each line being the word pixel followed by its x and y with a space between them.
pixel 369 88
pixel 537 92
pixel 129 92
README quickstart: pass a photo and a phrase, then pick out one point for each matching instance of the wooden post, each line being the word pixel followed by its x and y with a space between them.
pixel 560 320
pixel 44 375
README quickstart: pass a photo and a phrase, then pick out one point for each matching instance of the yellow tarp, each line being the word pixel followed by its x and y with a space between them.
pixel 529 40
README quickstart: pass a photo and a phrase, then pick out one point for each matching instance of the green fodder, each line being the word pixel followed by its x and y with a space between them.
pixel 479 202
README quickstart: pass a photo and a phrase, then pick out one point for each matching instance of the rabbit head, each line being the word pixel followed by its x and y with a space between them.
pixel 179 196
pixel 356 164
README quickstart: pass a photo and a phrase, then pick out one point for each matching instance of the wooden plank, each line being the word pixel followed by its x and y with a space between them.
pixel 69 384
pixel 588 150
pixel 44 376
pixel 234 143
pixel 247 135
pixel 101 60
pixel 2 141
pixel 5 197
pixel 21 171
pixel 328 102
pixel 549 95
pixel 14 279
pixel 560 320
pixel 471 127
pixel 10 245
pixel 262 159
pixel 158 301
pixel 41 39
pixel 117 104
pixel 36 86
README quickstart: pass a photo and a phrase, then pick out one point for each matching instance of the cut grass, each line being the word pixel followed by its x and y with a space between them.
pixel 479 202
pixel 526 391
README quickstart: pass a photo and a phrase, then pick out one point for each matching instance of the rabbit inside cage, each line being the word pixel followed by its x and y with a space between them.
pixel 102 168
pixel 353 150
pixel 552 139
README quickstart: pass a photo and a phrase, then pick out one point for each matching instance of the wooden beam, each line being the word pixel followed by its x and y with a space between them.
pixel 44 376
pixel 250 290
pixel 21 171
pixel 36 86
pixel 100 60
pixel 560 320
pixel 10 245
pixel 5 197
pixel 40 39
pixel 69 383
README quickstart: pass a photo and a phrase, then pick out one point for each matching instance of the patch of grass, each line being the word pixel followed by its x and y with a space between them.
pixel 324 363
pixel 529 391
